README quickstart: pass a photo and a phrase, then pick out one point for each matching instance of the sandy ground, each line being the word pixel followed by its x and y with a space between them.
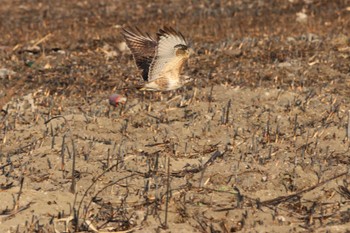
pixel 258 143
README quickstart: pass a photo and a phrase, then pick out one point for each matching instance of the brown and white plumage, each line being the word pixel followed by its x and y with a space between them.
pixel 161 60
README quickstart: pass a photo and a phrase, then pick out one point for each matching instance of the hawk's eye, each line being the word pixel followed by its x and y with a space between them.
pixel 180 46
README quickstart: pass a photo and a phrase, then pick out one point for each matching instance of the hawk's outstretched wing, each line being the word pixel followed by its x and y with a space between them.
pixel 165 60
pixel 143 48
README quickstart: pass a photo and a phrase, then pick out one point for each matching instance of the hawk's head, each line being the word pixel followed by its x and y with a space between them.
pixel 182 50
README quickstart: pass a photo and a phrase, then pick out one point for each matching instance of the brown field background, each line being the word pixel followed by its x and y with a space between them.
pixel 258 143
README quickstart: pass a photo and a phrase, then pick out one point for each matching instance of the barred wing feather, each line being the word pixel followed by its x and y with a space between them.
pixel 143 48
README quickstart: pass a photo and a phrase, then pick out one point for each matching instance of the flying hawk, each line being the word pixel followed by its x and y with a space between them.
pixel 161 60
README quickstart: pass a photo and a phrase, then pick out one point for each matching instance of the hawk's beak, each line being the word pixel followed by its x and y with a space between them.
pixel 190 52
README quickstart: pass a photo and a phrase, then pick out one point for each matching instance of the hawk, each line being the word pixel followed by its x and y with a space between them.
pixel 160 61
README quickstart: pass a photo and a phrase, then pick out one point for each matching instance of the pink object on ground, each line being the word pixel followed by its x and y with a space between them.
pixel 116 99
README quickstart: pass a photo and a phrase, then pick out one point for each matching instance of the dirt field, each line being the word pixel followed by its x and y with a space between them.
pixel 258 143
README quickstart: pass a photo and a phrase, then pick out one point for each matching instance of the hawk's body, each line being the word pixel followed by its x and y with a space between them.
pixel 161 60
